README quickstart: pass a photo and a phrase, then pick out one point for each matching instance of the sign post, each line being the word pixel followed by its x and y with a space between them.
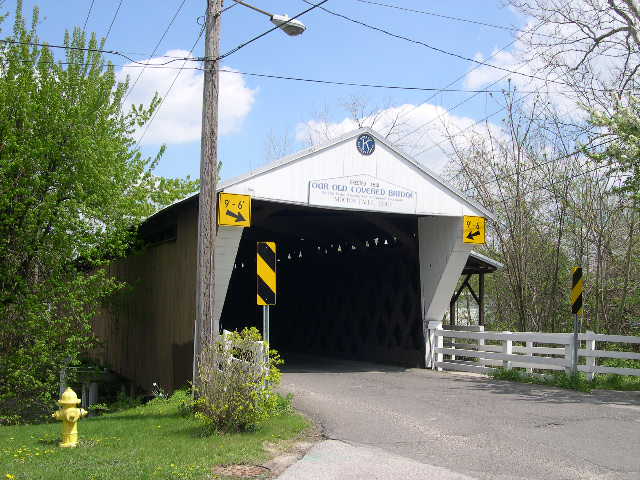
pixel 576 308
pixel 266 278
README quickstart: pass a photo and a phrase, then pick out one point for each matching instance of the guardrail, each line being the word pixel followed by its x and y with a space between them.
pixel 467 350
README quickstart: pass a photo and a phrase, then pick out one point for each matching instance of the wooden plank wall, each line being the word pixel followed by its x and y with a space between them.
pixel 147 332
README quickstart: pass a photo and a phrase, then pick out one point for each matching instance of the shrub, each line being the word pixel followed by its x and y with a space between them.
pixel 236 381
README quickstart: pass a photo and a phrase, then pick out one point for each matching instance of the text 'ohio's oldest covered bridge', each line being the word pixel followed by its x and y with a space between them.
pixel 369 244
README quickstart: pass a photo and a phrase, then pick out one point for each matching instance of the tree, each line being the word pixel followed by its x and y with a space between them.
pixel 621 133
pixel 590 45
pixel 73 188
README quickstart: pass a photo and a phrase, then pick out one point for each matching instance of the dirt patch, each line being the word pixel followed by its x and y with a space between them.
pixel 242 471
pixel 287 453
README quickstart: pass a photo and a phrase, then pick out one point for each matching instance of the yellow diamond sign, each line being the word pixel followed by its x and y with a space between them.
pixel 234 210
pixel 474 229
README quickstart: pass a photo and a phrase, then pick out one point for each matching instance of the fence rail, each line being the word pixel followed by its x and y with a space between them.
pixel 467 350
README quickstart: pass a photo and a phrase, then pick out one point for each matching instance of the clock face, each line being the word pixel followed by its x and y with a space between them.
pixel 366 144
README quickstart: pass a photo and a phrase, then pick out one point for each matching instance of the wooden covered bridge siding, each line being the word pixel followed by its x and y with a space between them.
pixel 348 283
pixel 147 331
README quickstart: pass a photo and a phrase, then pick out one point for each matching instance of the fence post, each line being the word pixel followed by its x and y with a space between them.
pixel 433 341
pixel 568 355
pixel 591 361
pixel 481 344
pixel 507 347
pixel 530 353
pixel 453 345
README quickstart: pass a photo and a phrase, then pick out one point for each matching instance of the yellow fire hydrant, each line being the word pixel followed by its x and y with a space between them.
pixel 69 413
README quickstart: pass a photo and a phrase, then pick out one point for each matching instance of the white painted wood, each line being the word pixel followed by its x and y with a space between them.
pixel 432 328
pixel 227 243
pixel 465 328
pixel 599 337
pixel 482 345
pixel 559 338
pixel 463 367
pixel 287 180
pixel 528 350
pixel 634 372
pixel 442 257
pixel 539 350
pixel 438 345
pixel 509 356
pixel 475 346
pixel 506 358
pixel 608 354
pixel 590 360
pixel 453 342
pixel 568 356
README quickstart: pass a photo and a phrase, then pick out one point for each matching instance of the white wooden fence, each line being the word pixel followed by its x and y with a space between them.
pixel 467 350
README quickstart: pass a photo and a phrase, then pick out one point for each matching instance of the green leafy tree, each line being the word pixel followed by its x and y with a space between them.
pixel 622 129
pixel 73 188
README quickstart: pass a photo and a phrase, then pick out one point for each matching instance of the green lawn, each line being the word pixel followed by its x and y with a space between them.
pixel 562 380
pixel 148 442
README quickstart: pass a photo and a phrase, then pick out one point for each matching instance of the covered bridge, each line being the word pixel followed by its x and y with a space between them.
pixel 370 249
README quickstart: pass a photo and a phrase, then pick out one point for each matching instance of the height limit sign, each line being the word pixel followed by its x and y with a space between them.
pixel 234 210
pixel 474 229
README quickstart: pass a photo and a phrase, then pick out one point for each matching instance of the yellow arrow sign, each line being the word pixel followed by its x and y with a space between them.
pixel 474 229
pixel 234 210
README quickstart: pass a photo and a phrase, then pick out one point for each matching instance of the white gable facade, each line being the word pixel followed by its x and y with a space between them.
pixel 338 176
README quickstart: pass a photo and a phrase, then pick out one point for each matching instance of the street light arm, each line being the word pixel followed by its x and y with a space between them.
pixel 245 4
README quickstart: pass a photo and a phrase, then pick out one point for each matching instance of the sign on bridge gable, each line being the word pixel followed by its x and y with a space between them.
pixel 362 192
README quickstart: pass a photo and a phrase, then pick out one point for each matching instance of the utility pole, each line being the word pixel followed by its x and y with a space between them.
pixel 206 326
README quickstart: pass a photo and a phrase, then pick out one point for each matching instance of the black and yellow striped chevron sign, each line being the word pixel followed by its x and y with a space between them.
pixel 266 273
pixel 576 291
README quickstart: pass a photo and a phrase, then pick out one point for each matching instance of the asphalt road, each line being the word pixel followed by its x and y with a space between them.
pixel 459 425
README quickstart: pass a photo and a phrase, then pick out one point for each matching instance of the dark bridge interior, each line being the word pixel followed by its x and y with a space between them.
pixel 347 283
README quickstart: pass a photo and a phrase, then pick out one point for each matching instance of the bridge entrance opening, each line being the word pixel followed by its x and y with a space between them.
pixel 347 283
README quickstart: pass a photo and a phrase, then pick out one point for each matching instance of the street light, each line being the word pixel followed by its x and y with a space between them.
pixel 206 326
pixel 289 26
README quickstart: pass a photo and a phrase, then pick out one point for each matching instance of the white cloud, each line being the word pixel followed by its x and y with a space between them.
pixel 533 62
pixel 419 130
pixel 179 117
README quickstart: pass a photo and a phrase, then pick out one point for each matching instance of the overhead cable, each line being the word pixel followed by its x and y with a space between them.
pixel 431 47
pixel 115 15
pixel 175 79
pixel 277 27
pixel 459 19
pixel 155 49
pixel 84 27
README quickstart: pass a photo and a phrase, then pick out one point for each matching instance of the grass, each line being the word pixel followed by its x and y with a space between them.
pixel 153 441
pixel 577 382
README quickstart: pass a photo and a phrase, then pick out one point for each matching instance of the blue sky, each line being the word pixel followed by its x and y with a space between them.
pixel 254 109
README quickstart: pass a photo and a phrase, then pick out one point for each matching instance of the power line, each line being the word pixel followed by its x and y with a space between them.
pixel 534 167
pixel 257 37
pixel 544 187
pixel 115 15
pixel 431 47
pixel 175 15
pixel 459 19
pixel 84 27
pixel 99 50
pixel 175 79
pixel 164 66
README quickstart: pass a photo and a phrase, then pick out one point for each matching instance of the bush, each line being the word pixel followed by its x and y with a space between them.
pixel 236 381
